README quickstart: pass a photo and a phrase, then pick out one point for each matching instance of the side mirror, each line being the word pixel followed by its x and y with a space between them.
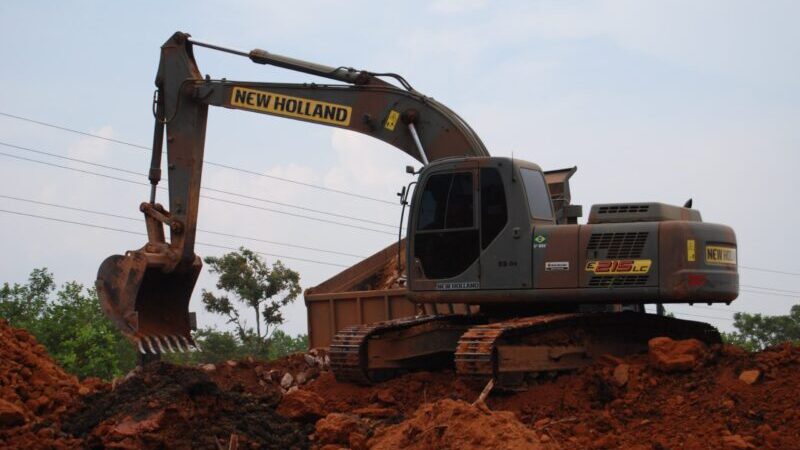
pixel 410 170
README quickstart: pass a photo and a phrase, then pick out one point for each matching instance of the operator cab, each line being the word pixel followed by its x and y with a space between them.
pixel 471 224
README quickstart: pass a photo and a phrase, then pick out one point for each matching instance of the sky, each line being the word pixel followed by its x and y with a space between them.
pixel 653 101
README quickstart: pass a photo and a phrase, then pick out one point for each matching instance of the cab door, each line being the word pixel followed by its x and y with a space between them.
pixel 446 240
pixel 504 230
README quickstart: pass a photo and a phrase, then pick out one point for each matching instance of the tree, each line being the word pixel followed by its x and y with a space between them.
pixel 77 334
pixel 265 290
pixel 70 325
pixel 755 332
pixel 24 304
pixel 281 344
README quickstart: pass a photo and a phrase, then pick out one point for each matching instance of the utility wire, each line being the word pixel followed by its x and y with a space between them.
pixel 784 291
pixel 776 294
pixel 120 230
pixel 202 196
pixel 251 172
pixel 218 233
pixel 770 270
pixel 210 163
pixel 235 194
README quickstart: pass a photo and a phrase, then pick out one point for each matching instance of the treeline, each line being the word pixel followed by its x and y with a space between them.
pixel 69 323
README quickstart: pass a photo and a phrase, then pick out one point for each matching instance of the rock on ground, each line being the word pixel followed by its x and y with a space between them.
pixel 302 405
pixel 670 355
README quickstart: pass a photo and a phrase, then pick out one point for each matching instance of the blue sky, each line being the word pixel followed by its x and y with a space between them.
pixel 653 101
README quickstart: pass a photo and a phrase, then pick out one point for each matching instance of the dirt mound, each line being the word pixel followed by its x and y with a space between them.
pixel 682 395
pixel 455 424
pixel 706 407
pixel 34 392
pixel 724 398
pixel 167 406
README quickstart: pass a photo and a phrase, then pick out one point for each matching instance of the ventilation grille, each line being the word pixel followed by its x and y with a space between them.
pixel 618 281
pixel 619 209
pixel 619 245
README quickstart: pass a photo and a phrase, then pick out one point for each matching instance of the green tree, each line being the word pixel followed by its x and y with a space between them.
pixel 755 331
pixel 24 304
pixel 282 344
pixel 79 336
pixel 218 346
pixel 70 324
pixel 265 290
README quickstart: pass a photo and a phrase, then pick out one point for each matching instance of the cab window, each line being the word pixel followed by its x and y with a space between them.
pixel 446 239
pixel 447 202
pixel 494 213
pixel 538 196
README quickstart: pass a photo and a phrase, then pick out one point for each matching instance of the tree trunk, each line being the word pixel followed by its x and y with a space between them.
pixel 258 324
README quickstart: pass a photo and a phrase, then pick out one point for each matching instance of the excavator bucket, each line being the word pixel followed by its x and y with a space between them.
pixel 150 306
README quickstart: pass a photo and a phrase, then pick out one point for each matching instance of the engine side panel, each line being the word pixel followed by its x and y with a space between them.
pixel 702 262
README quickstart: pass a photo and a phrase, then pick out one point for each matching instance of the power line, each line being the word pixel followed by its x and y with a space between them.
pixel 776 294
pixel 111 177
pixel 770 270
pixel 210 163
pixel 235 194
pixel 120 230
pixel 770 289
pixel 713 308
pixel 218 233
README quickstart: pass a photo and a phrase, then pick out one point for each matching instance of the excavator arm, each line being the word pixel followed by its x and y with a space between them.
pixel 146 292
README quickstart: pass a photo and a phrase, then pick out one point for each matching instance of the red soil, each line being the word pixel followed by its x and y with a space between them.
pixel 680 396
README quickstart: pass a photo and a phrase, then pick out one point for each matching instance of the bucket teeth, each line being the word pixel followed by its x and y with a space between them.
pixel 159 344
pixel 169 344
pixel 141 347
pixel 150 345
pixel 177 342
pixel 186 343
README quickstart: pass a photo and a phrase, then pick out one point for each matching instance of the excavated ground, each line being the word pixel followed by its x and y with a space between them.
pixel 681 395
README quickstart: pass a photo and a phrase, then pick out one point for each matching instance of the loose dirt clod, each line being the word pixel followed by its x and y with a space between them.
pixel 675 356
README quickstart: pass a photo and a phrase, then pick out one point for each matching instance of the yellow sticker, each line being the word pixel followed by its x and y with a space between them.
pixel 716 254
pixel 619 266
pixel 289 106
pixel 691 256
pixel 391 121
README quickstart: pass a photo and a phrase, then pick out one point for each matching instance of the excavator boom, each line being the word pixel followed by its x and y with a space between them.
pixel 146 292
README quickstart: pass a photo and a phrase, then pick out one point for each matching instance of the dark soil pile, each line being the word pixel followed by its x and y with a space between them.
pixel 167 406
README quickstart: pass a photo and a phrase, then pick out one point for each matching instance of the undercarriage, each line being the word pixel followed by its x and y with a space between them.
pixel 509 351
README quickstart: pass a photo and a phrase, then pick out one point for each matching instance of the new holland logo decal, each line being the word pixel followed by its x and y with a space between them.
pixel 289 106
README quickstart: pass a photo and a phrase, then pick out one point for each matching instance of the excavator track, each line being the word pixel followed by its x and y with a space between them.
pixel 509 351
pixel 349 347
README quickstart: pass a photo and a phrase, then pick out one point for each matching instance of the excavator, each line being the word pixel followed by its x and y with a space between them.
pixel 546 293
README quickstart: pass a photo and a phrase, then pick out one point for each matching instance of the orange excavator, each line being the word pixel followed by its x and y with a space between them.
pixel 493 232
